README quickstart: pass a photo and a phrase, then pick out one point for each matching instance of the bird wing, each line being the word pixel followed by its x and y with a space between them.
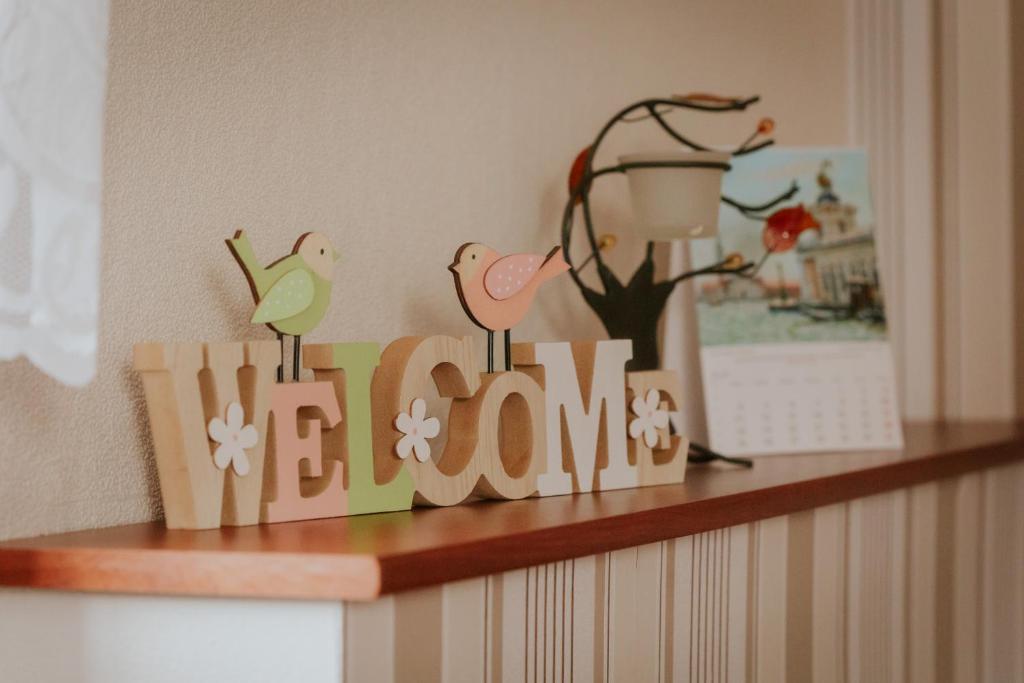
pixel 509 274
pixel 290 295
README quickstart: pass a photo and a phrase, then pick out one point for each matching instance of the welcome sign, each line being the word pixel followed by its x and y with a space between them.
pixel 236 447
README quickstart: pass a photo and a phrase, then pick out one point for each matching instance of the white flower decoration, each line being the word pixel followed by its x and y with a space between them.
pixel 417 428
pixel 234 437
pixel 649 418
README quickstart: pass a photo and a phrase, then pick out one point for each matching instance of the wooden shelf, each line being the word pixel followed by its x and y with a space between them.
pixel 360 558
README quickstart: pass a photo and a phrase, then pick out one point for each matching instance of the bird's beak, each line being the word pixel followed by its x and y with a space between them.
pixel 455 268
pixel 337 256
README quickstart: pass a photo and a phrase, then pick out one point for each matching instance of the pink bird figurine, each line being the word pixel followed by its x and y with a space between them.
pixel 496 291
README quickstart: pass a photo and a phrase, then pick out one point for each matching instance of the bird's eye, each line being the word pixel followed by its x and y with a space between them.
pixel 473 256
pixel 321 252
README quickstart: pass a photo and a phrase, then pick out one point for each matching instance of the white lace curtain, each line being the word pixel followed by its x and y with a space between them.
pixel 52 86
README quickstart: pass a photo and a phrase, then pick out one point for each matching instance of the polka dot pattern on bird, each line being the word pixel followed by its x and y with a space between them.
pixel 289 296
pixel 510 274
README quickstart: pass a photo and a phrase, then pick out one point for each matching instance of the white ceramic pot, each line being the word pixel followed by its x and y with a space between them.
pixel 676 202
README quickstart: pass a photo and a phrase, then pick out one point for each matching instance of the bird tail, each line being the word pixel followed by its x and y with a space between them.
pixel 241 249
pixel 554 264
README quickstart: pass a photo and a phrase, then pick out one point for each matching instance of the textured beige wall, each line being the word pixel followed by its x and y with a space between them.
pixel 401 130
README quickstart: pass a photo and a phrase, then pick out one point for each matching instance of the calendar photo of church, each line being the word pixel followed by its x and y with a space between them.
pixel 816 277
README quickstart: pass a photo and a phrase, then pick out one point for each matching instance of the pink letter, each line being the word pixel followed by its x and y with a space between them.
pixel 301 484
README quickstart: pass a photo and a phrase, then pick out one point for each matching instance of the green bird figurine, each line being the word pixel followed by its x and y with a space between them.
pixel 292 293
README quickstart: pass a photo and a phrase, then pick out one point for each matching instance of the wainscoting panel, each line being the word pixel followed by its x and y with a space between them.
pixel 922 584
pixel 828 595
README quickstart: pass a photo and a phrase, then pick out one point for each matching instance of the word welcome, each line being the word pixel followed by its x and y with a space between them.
pixel 234 447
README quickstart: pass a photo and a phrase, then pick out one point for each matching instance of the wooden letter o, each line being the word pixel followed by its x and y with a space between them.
pixel 506 419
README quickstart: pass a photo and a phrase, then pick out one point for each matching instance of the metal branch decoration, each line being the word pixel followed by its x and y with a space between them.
pixel 632 310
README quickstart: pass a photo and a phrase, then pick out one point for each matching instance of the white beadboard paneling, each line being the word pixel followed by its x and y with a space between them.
pixel 546 621
pixel 647 652
pixel 369 640
pixel 875 588
pixel 557 616
pixel 51 636
pixel 666 621
pixel 1002 584
pixel 800 596
pixel 700 629
pixel 507 628
pixel 419 635
pixel 895 557
pixel 967 544
pixel 855 608
pixel 464 609
pixel 622 613
pixel 768 602
pixel 736 604
pixel 828 612
pixel 1018 562
pixel 549 618
pixel 584 618
pixel 534 646
pixel 682 608
pixel 634 616
pixel 922 612
pixel 708 607
pixel 849 592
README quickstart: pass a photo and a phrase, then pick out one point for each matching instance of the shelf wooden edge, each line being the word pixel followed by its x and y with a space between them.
pixel 294 562
pixel 194 573
pixel 536 547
